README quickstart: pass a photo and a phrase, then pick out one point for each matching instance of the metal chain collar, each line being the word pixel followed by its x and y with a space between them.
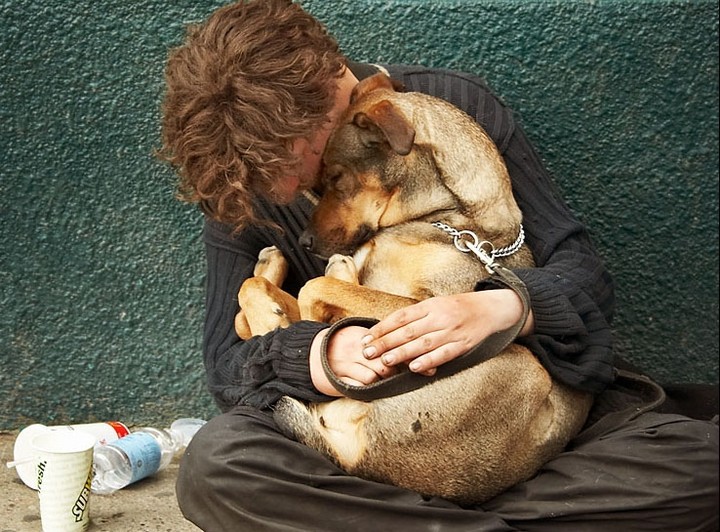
pixel 466 241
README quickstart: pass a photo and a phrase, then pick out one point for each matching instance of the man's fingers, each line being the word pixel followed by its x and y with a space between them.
pixel 405 342
pixel 399 322
pixel 406 351
pixel 435 358
pixel 364 373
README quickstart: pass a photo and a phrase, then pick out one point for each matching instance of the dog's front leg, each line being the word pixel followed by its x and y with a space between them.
pixel 343 268
pixel 327 299
pixel 264 306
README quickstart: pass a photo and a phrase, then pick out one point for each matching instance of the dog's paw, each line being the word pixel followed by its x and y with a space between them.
pixel 266 256
pixel 342 267
pixel 272 265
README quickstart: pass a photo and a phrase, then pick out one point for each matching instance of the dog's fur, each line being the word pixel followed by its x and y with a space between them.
pixel 397 162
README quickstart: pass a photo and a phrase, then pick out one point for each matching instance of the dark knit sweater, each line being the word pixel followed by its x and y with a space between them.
pixel 572 294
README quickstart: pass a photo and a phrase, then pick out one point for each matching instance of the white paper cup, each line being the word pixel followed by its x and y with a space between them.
pixel 24 454
pixel 64 475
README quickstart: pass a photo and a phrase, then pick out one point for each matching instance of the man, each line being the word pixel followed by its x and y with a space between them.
pixel 252 97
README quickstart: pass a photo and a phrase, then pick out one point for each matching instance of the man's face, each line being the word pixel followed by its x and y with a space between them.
pixel 310 149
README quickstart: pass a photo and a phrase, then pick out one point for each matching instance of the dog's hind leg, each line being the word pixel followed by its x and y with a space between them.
pixel 335 428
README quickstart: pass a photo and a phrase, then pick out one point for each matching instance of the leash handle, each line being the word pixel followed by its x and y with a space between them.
pixel 407 381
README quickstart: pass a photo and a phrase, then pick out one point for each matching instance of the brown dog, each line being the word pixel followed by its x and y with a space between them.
pixel 396 163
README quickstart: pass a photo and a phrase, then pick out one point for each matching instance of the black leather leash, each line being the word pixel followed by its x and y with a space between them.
pixel 407 381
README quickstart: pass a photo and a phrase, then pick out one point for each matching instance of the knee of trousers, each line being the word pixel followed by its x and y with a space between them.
pixel 195 468
pixel 202 483
pixel 229 456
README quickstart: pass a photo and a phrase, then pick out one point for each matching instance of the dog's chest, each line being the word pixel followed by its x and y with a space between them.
pixel 415 269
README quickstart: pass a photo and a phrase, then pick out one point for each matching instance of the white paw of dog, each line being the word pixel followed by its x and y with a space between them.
pixel 342 267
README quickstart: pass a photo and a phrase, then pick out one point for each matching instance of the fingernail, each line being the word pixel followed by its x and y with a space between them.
pixel 415 365
pixel 365 340
pixel 369 352
pixel 388 359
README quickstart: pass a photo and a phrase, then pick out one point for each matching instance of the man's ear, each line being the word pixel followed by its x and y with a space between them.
pixel 389 125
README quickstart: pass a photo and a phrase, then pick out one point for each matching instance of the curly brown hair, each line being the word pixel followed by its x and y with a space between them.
pixel 253 78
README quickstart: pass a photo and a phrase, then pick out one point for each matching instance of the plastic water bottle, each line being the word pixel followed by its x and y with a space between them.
pixel 140 454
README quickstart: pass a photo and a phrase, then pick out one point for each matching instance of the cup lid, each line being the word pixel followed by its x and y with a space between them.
pixel 63 442
pixel 23 450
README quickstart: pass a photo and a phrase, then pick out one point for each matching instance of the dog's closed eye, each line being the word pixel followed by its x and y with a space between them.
pixel 332 174
pixel 339 181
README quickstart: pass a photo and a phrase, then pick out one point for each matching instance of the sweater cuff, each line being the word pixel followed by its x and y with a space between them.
pixel 293 366
pixel 553 312
pixel 571 339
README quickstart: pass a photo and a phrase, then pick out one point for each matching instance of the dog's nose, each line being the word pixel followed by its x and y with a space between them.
pixel 307 241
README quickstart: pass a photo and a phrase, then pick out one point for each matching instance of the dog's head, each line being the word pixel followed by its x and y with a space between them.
pixel 397 157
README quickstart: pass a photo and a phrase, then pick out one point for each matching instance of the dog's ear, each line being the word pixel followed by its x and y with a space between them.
pixel 383 118
pixel 372 83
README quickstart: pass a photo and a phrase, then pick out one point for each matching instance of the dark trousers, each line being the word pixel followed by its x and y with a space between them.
pixel 630 469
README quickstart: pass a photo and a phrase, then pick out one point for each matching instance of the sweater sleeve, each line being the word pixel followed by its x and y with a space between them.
pixel 571 292
pixel 256 372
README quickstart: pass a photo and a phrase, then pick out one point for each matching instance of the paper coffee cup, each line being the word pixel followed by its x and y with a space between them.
pixel 24 462
pixel 64 476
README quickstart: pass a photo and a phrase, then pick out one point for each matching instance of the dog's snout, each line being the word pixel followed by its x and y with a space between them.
pixel 307 241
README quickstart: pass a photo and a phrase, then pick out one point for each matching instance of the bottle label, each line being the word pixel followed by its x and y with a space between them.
pixel 144 453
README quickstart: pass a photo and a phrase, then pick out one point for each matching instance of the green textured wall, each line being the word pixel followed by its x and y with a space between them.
pixel 101 270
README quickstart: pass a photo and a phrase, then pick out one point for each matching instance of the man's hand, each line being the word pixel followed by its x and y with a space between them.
pixel 437 330
pixel 346 360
